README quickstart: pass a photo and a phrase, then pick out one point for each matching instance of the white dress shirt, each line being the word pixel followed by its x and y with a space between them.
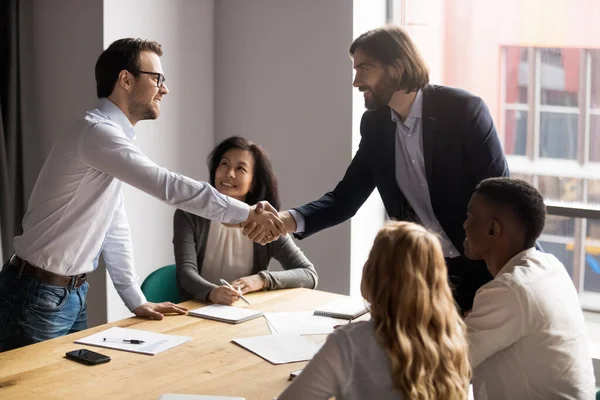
pixel 76 208
pixel 527 335
pixel 229 255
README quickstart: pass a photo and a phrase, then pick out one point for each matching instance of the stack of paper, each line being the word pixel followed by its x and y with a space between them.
pixel 118 338
pixel 301 323
pixel 232 315
pixel 280 349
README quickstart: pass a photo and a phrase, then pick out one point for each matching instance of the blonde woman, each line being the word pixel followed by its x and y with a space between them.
pixel 414 347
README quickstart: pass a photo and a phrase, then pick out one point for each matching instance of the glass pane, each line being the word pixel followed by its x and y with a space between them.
pixel 593 196
pixel 558 239
pixel 595 137
pixel 558 135
pixel 559 226
pixel 517 74
pixel 515 133
pixel 560 77
pixel 592 257
pixel 561 189
pixel 525 177
pixel 595 72
pixel 563 251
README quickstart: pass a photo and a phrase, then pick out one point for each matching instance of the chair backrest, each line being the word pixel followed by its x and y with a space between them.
pixel 161 285
pixel 598 395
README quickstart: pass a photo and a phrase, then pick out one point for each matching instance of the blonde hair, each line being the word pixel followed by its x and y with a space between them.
pixel 414 316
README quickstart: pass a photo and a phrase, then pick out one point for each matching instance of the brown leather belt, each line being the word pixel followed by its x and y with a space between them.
pixel 31 271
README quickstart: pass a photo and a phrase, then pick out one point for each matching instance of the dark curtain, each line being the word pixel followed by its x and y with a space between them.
pixel 12 202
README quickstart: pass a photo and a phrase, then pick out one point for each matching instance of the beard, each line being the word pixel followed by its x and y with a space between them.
pixel 143 111
pixel 382 93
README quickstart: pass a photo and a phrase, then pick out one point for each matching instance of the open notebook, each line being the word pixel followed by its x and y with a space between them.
pixel 344 308
pixel 232 315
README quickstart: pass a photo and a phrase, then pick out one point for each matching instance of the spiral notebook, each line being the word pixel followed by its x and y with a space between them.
pixel 345 308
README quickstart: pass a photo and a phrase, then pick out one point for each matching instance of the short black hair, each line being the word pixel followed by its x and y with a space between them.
pixel 264 181
pixel 123 54
pixel 520 197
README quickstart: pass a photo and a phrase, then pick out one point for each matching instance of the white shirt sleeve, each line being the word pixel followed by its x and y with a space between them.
pixel 299 221
pixel 495 322
pixel 107 149
pixel 322 377
pixel 117 252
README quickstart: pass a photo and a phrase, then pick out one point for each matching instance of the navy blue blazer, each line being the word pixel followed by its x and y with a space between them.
pixel 460 148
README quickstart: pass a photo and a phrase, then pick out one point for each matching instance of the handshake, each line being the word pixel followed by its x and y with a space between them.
pixel 265 224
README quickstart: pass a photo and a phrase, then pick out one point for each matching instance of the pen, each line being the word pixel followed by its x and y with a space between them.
pixel 224 282
pixel 131 341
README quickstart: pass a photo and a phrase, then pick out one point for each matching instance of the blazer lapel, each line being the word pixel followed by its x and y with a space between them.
pixel 388 144
pixel 429 131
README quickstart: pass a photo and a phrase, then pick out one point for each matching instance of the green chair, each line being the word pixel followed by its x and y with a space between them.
pixel 598 395
pixel 161 285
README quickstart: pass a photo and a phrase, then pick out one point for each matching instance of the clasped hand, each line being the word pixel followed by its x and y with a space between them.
pixel 264 224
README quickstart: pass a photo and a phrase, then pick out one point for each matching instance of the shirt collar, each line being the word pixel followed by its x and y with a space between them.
pixel 416 112
pixel 116 115
pixel 517 260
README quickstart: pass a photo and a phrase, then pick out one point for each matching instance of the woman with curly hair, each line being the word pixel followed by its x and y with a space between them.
pixel 414 347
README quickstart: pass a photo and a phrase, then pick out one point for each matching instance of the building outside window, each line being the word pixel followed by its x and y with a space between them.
pixel 537 67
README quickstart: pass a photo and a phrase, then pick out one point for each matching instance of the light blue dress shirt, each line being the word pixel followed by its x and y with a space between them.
pixel 76 209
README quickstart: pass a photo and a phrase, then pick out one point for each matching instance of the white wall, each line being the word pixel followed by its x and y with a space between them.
pixel 284 80
pixel 367 15
pixel 183 134
pixel 61 40
pixel 277 72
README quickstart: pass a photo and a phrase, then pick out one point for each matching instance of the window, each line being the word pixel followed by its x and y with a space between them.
pixel 516 109
pixel 551 109
pixel 541 81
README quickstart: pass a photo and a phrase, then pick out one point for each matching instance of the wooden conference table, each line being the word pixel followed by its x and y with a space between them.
pixel 209 364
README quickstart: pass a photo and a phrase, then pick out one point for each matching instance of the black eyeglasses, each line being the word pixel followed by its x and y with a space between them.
pixel 159 81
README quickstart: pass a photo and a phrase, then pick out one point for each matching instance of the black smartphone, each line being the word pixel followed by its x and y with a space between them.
pixel 87 357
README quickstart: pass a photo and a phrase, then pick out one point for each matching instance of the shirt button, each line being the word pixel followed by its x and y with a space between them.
pixel 422 185
pixel 451 253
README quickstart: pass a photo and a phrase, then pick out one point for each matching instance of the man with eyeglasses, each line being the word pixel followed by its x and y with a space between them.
pixel 76 211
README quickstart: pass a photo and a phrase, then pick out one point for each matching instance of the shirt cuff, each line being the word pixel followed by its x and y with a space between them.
pixel 267 277
pixel 299 221
pixel 236 212
pixel 133 297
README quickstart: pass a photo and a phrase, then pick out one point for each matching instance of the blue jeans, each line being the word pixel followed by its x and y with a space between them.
pixel 32 311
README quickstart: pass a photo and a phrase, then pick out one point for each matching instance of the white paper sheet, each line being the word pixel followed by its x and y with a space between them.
pixel 154 343
pixel 271 328
pixel 302 323
pixel 280 348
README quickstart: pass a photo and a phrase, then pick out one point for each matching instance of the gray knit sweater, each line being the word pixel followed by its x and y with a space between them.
pixel 190 234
